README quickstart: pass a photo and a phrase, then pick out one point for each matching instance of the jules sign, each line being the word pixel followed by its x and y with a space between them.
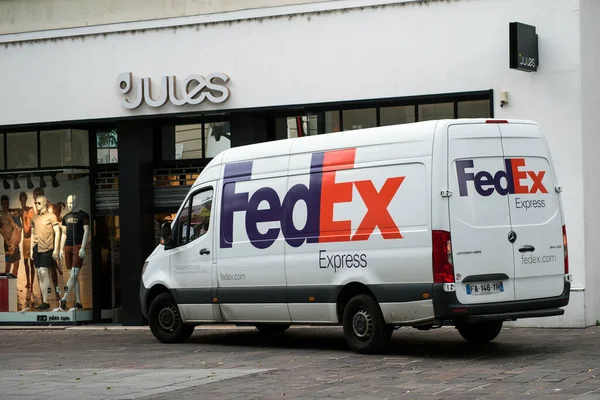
pixel 194 90
pixel 523 47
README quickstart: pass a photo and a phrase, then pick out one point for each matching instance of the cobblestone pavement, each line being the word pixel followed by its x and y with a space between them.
pixel 304 363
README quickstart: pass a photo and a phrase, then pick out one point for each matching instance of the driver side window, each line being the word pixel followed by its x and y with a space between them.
pixel 194 221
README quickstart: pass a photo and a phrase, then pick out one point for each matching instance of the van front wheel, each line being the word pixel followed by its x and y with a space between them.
pixel 365 329
pixel 480 333
pixel 165 320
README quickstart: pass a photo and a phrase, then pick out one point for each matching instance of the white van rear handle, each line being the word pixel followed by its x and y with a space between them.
pixel 526 248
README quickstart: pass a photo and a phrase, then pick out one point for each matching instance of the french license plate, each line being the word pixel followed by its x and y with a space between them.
pixel 485 288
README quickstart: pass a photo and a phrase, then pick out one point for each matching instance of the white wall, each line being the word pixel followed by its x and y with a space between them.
pixel 590 66
pixel 34 15
pixel 396 50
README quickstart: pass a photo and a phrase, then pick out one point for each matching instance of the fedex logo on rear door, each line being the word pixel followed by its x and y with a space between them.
pixel 320 196
pixel 515 180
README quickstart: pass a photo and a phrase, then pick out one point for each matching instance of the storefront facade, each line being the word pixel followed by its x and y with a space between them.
pixel 125 116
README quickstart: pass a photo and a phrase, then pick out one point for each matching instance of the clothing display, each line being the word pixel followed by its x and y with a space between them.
pixel 42 259
pixel 44 230
pixel 74 222
pixel 28 214
pixel 72 258
pixel 45 245
pixel 74 238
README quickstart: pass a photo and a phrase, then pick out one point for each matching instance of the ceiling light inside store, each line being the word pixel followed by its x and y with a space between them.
pixel 42 181
pixel 54 181
pixel 16 184
pixel 5 183
pixel 30 184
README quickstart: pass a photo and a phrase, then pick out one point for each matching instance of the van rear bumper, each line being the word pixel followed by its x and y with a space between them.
pixel 447 307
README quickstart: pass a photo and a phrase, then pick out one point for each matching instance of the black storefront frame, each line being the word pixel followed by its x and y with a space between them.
pixel 154 121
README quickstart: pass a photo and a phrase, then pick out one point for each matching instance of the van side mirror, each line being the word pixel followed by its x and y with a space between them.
pixel 165 234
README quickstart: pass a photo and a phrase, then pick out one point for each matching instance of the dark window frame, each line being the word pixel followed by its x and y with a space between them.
pixel 378 104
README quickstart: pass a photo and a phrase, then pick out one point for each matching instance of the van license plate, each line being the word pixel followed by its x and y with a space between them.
pixel 485 288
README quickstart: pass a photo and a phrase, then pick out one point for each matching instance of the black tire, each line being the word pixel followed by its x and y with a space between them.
pixel 272 329
pixel 365 329
pixel 165 320
pixel 479 333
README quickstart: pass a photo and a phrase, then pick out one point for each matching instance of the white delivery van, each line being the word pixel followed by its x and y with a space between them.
pixel 440 222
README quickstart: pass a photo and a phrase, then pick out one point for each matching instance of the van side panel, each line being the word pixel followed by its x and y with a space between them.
pixel 250 256
pixel 360 215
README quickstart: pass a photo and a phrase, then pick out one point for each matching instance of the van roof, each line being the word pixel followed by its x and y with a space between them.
pixel 409 132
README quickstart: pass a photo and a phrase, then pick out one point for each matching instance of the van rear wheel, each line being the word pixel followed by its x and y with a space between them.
pixel 165 320
pixel 365 329
pixel 272 329
pixel 480 333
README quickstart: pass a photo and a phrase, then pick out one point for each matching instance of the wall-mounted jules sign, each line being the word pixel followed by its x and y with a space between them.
pixel 195 90
pixel 523 47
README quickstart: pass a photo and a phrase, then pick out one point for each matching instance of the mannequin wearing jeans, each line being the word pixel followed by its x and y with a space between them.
pixel 75 233
pixel 45 234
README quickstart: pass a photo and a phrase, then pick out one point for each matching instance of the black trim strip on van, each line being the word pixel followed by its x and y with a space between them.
pixel 393 293
pixel 485 277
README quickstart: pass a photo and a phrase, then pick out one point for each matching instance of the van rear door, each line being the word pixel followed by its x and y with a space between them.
pixel 479 214
pixel 535 211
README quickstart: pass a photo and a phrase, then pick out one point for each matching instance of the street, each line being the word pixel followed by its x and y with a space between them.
pixel 304 363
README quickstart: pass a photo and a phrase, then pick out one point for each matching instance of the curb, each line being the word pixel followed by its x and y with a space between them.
pixel 33 328
pixel 128 328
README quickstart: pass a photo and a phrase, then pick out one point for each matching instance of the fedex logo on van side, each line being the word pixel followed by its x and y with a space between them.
pixel 486 184
pixel 320 196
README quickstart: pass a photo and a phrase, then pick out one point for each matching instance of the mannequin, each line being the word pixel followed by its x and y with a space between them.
pixel 56 209
pixel 11 233
pixel 45 234
pixel 75 234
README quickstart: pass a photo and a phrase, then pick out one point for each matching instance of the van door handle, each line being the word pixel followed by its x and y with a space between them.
pixel 204 252
pixel 526 248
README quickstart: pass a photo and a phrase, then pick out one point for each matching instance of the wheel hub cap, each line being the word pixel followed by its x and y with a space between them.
pixel 168 318
pixel 362 324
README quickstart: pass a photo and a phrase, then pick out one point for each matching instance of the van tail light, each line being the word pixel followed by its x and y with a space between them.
pixel 565 248
pixel 443 268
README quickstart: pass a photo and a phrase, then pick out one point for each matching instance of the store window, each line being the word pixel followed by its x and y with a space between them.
pixel 217 138
pixel 195 141
pixel 45 192
pixel 21 150
pixel 2 151
pixel 331 121
pixel 80 148
pixel 188 142
pixel 397 115
pixel 64 147
pixel 359 119
pixel 474 109
pixel 429 112
pixel 296 126
pixel 107 143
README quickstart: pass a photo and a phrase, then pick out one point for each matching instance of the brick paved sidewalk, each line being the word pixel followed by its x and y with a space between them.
pixel 304 363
